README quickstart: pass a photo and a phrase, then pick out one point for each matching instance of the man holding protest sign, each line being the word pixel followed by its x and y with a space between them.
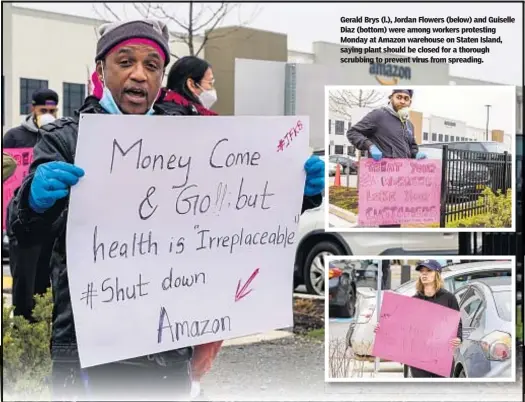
pixel 131 59
pixel 387 132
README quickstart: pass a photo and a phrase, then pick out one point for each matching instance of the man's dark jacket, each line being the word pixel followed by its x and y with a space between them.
pixel 29 266
pixel 383 128
pixel 58 142
pixel 446 299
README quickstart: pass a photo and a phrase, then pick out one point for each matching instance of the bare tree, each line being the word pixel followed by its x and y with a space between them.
pixel 195 29
pixel 341 101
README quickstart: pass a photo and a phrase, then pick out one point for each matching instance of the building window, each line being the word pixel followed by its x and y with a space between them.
pixel 350 149
pixel 425 136
pixel 462 139
pixel 434 137
pixel 329 126
pixel 440 136
pixel 339 127
pixel 27 87
pixel 339 149
pixel 446 138
pixel 73 98
pixel 457 137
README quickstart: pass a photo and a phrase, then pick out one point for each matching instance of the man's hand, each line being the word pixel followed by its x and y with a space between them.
pixel 421 155
pixel 376 153
pixel 51 183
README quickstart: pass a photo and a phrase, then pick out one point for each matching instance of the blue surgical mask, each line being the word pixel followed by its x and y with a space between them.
pixel 109 104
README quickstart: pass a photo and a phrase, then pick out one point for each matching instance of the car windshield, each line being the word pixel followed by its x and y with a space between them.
pixel 503 300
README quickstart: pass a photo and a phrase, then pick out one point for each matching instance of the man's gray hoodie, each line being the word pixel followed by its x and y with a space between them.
pixel 383 128
pixel 23 136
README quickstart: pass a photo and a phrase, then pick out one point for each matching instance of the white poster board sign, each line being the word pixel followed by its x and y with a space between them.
pixel 182 231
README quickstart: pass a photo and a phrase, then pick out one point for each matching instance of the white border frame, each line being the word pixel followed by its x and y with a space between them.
pixel 327 227
pixel 419 380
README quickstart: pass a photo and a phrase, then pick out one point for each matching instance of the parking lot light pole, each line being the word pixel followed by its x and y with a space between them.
pixel 378 304
pixel 487 123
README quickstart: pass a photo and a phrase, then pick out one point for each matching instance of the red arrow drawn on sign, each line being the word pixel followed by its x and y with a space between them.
pixel 241 291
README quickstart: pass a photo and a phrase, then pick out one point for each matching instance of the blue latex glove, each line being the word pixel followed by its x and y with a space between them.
pixel 314 168
pixel 376 153
pixel 421 155
pixel 51 183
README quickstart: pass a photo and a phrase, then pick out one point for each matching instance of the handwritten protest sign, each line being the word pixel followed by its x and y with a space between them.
pixel 399 191
pixel 23 157
pixel 183 230
pixel 408 336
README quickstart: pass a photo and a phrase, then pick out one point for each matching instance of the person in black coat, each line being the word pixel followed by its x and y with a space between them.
pixel 30 266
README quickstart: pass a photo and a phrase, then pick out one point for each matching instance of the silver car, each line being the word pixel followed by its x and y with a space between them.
pixel 486 314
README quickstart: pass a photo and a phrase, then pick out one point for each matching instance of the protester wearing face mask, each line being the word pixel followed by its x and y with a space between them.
pixel 130 62
pixel 191 85
pixel 44 109
pixel 30 266
pixel 387 132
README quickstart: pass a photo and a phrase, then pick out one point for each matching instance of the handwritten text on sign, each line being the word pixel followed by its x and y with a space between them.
pixel 406 335
pixel 399 191
pixel 191 235
pixel 23 157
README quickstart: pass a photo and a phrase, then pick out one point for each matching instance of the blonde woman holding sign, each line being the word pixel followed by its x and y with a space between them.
pixel 430 287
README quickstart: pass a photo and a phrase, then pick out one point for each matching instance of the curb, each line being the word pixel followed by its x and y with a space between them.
pixel 343 214
pixel 251 339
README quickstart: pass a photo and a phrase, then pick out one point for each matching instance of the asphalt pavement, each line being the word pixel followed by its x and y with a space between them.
pixel 293 369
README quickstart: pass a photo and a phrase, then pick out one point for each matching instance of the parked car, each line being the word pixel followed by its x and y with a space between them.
pixel 474 146
pixel 361 331
pixel 346 162
pixel 466 180
pixel 314 244
pixel 486 315
pixel 344 277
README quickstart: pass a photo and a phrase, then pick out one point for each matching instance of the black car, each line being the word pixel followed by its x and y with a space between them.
pixel 344 277
pixel 466 179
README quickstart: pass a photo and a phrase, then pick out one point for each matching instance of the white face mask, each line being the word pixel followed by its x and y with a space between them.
pixel 208 97
pixel 44 119
pixel 404 113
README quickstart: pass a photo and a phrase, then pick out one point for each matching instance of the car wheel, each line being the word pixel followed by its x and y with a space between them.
pixel 314 274
pixel 348 310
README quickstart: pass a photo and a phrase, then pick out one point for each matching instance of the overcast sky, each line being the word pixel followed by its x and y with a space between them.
pixel 307 23
pixel 464 103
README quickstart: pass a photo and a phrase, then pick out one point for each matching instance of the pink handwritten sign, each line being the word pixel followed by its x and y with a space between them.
pixel 399 191
pixel 23 157
pixel 406 334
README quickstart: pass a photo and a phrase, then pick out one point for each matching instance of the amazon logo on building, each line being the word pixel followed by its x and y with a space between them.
pixel 390 74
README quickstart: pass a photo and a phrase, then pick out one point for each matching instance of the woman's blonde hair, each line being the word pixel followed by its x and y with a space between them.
pixel 438 283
